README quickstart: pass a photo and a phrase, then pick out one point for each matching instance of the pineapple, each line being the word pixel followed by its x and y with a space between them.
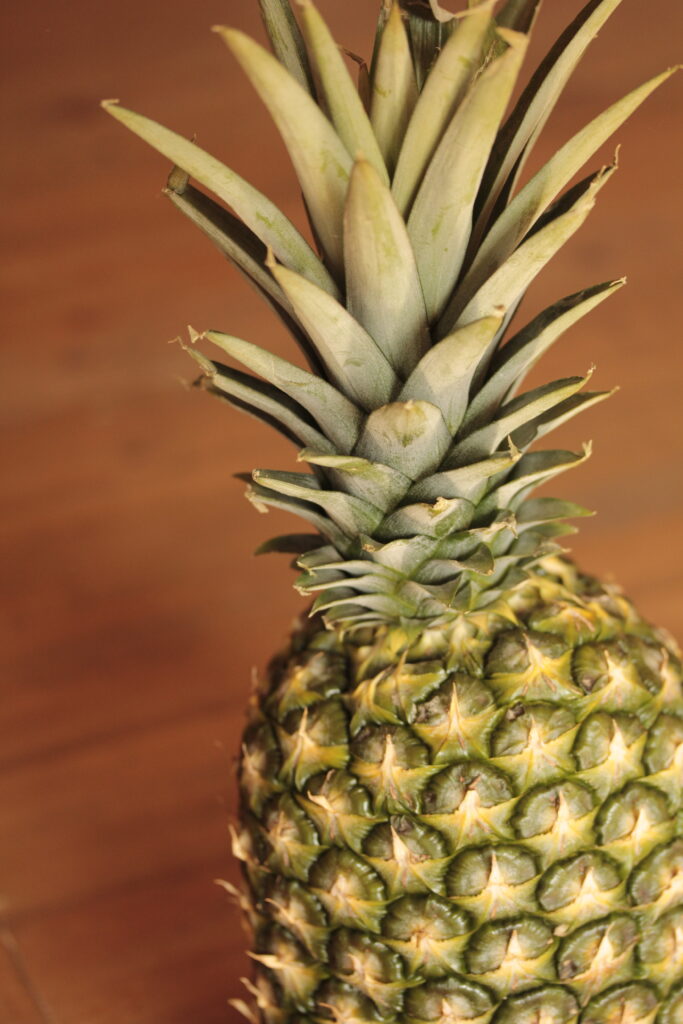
pixel 461 784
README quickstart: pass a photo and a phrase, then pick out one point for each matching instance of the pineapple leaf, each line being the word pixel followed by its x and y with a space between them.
pixel 394 87
pixel 443 90
pixel 285 38
pixel 518 15
pixel 444 375
pixel 535 105
pixel 409 436
pixel 351 514
pixel 321 160
pixel 520 354
pixel 441 218
pixel 339 418
pixel 263 497
pixel 469 482
pixel 353 360
pixel 263 401
pixel 553 418
pixel 345 105
pixel 528 205
pixel 373 482
pixel 545 510
pixel 429 519
pixel 383 287
pixel 532 469
pixel 516 414
pixel 257 212
pixel 289 544
pixel 508 284
pixel 241 246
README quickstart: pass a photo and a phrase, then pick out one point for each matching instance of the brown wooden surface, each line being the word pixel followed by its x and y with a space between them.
pixel 133 611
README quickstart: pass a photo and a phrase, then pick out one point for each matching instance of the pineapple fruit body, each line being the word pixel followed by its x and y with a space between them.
pixel 476 823
pixel 461 786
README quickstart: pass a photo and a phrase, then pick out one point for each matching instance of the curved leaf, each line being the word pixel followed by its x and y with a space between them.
pixel 285 38
pixel 394 88
pixel 383 286
pixel 263 217
pixel 321 160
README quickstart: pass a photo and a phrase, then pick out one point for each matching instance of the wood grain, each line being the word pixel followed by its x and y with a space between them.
pixel 133 610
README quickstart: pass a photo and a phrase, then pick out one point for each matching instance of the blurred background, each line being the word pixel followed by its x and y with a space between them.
pixel 134 612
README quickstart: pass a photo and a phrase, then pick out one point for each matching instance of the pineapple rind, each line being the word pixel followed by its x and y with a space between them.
pixel 456 859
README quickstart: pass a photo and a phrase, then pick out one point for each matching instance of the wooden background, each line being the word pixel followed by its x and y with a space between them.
pixel 133 609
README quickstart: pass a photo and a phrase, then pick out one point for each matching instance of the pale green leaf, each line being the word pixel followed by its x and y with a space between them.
pixel 285 38
pixel 394 88
pixel 544 510
pixel 440 221
pixel 527 206
pixel 351 514
pixel 437 519
pixel 265 402
pixel 507 285
pixel 521 353
pixel 290 544
pixel 378 484
pixel 342 98
pixel 533 469
pixel 257 212
pixel 469 482
pixel 263 498
pixel 444 375
pixel 247 252
pixel 409 436
pixel 383 286
pixel 338 418
pixel 353 360
pixel 321 160
pixel 518 14
pixel 518 413
pixel 443 90
pixel 537 103
pixel 554 418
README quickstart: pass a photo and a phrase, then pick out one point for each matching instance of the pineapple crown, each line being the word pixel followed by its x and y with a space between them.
pixel 409 415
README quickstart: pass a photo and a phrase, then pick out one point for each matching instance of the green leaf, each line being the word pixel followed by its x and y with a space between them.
pixel 265 402
pixel 403 555
pixel 345 106
pixel 321 160
pixel 263 498
pixel 440 222
pixel 338 418
pixel 352 515
pixel 527 206
pixel 394 88
pixel 241 246
pixel 443 90
pixel 409 436
pixel 285 38
pixel 507 285
pixel 444 375
pixel 536 103
pixel 518 14
pixel 436 519
pixel 257 212
pixel 544 510
pixel 290 544
pixel 515 414
pixel 353 360
pixel 554 418
pixel 378 484
pixel 470 482
pixel 521 353
pixel 383 286
pixel 533 469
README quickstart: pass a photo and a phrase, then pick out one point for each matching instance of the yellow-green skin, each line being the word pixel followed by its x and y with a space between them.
pixel 475 823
